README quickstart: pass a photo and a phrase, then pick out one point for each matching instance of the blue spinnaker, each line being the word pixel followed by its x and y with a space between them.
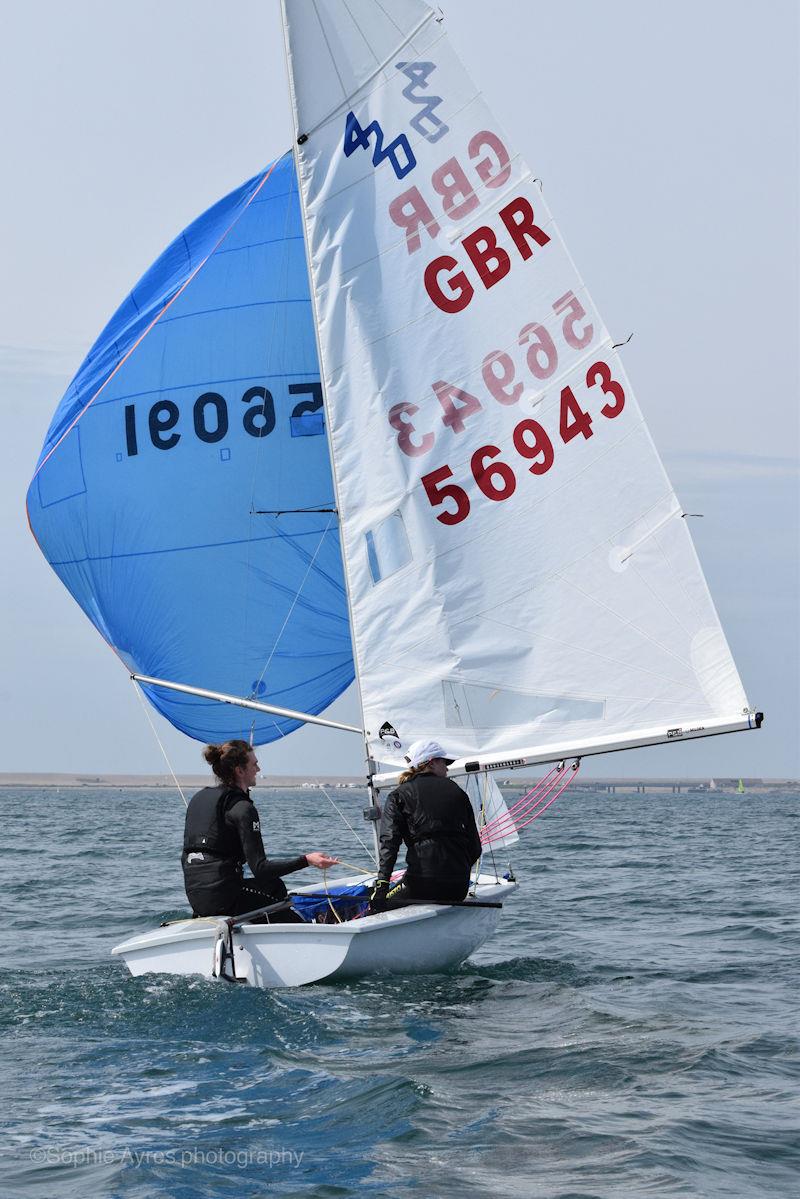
pixel 184 493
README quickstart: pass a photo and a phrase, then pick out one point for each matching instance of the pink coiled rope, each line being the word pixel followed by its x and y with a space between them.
pixel 527 802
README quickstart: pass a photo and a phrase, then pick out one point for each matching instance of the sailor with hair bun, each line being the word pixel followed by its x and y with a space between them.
pixel 223 831
pixel 433 817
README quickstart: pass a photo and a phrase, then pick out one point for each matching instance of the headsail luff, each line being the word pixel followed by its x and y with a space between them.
pixel 519 568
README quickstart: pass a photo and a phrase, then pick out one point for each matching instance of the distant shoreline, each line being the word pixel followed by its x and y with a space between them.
pixel 192 782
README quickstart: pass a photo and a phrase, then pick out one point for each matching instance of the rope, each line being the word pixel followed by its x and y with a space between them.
pixel 507 822
pixel 327 896
pixel 563 787
pixel 350 866
pixel 298 593
pixel 363 844
pixel 504 827
pixel 331 904
pixel 491 851
pixel 158 739
pixel 538 808
pixel 482 818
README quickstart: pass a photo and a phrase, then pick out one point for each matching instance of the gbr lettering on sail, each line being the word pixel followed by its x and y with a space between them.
pixel 525 380
pixel 486 261
pixel 451 194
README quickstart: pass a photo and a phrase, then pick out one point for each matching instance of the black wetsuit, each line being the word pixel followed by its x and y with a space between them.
pixel 222 832
pixel 434 818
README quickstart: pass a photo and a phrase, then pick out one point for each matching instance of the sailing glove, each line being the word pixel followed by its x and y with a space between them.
pixel 377 899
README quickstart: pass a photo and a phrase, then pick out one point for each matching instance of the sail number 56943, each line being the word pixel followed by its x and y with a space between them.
pixel 495 478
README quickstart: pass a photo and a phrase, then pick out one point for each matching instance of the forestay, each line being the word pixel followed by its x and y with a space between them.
pixel 184 493
pixel 518 565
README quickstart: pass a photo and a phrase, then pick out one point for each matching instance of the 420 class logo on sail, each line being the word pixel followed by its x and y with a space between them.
pixel 425 122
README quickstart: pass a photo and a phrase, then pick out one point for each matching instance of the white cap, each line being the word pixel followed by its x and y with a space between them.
pixel 425 751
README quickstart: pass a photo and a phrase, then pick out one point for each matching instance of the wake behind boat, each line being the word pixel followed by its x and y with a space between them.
pixel 363 420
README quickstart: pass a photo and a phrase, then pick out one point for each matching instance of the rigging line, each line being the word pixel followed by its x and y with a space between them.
pixel 365 847
pixel 360 869
pixel 482 798
pixel 563 785
pixel 143 702
pixel 504 825
pixel 533 794
pixel 522 806
pixel 491 850
pixel 505 828
pixel 293 604
pixel 328 895
pixel 573 770
pixel 348 99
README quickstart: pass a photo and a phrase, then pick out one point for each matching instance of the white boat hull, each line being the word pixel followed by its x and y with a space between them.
pixel 421 939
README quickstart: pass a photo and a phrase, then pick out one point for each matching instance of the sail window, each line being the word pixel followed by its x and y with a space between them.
pixel 307 424
pixel 388 548
pixel 471 705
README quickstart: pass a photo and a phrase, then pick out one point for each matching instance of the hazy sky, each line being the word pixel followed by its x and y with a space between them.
pixel 666 137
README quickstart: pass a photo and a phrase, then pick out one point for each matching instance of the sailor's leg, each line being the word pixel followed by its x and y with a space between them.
pixel 251 896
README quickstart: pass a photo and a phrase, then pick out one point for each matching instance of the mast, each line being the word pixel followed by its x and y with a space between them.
pixel 373 812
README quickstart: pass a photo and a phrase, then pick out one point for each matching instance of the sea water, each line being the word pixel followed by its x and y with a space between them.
pixel 631 1030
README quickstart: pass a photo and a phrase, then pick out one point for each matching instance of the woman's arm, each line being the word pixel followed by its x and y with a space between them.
pixel 393 831
pixel 244 818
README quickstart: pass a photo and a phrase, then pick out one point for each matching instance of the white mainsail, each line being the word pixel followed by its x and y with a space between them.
pixel 519 569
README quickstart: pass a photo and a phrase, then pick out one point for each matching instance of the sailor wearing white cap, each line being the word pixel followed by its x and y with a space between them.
pixel 433 817
pixel 427 751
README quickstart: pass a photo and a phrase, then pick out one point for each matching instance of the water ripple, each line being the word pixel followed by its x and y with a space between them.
pixel 630 1032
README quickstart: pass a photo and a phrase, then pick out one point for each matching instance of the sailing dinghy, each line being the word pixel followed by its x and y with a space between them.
pixel 362 419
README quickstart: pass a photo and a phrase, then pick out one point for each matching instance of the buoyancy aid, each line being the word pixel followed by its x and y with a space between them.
pixel 206 830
